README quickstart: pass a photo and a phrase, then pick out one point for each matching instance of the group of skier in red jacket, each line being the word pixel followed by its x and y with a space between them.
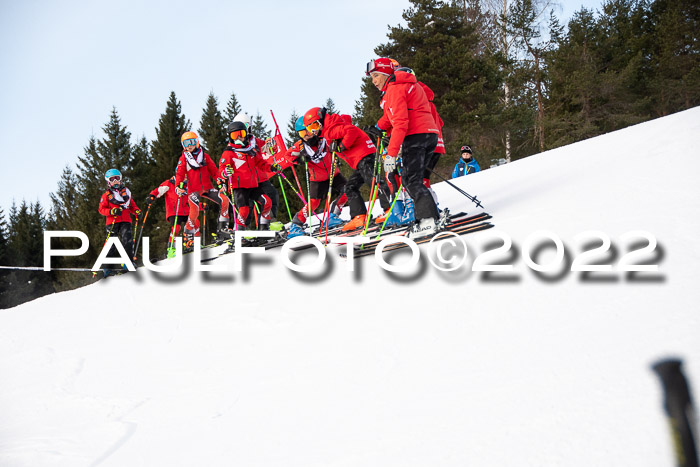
pixel 410 126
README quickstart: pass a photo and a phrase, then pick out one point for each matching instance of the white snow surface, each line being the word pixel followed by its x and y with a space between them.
pixel 368 368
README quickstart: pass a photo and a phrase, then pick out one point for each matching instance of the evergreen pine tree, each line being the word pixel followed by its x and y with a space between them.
pixel 233 108
pixel 141 169
pixel 675 52
pixel 26 245
pixel 3 239
pixel 115 147
pixel 212 129
pixel 259 127
pixel 597 74
pixel 292 136
pixel 5 261
pixel 65 204
pixel 166 149
pixel 330 106
pixel 65 201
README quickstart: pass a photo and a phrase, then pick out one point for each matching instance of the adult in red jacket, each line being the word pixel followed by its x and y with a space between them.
pixel 432 159
pixel 440 148
pixel 176 207
pixel 414 134
pixel 315 152
pixel 117 206
pixel 239 168
pixel 357 149
pixel 199 169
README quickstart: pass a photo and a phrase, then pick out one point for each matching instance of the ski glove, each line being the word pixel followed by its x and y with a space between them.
pixel 150 199
pixel 228 171
pixel 180 191
pixel 138 213
pixel 275 167
pixel 337 146
pixel 389 164
pixel 269 146
pixel 220 183
pixel 115 211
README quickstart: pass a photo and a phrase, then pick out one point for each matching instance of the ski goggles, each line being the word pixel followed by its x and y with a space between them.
pixel 304 132
pixel 381 65
pixel 114 179
pixel 370 67
pixel 238 134
pixel 314 127
pixel 189 142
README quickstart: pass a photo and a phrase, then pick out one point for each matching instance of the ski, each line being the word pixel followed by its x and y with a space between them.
pixel 374 229
pixel 459 230
pixel 451 224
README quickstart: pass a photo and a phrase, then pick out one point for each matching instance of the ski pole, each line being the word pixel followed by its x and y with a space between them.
pixel 471 198
pixel 296 192
pixel 391 208
pixel 172 233
pixel 289 212
pixel 233 203
pixel 204 222
pixel 143 223
pixel 308 191
pixel 375 186
pixel 326 210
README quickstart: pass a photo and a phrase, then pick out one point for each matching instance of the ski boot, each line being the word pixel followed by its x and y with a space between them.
pixel 334 220
pixel 295 230
pixel 223 232
pixel 408 215
pixel 188 242
pixel 355 223
pixel 392 218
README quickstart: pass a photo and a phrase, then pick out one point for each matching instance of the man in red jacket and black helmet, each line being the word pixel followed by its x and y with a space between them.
pixel 414 136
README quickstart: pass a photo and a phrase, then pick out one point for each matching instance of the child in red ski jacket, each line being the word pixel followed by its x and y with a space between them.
pixel 117 206
pixel 199 169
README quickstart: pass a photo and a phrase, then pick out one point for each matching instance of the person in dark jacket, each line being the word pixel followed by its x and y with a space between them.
pixel 467 164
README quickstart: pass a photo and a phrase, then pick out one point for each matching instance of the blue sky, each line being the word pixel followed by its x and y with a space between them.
pixel 66 64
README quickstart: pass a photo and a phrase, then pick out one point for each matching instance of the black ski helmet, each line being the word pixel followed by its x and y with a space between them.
pixel 235 127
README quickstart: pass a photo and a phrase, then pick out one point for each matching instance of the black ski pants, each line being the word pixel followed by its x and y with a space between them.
pixel 416 150
pixel 122 231
pixel 364 174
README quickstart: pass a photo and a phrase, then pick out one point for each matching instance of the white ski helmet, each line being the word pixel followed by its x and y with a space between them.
pixel 243 118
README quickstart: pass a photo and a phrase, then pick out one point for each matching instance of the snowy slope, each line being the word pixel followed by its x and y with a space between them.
pixel 376 369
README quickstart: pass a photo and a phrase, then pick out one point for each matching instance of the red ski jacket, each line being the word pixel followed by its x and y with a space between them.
pixel 357 144
pixel 440 148
pixel 247 163
pixel 406 110
pixel 167 189
pixel 319 165
pixel 114 199
pixel 197 176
